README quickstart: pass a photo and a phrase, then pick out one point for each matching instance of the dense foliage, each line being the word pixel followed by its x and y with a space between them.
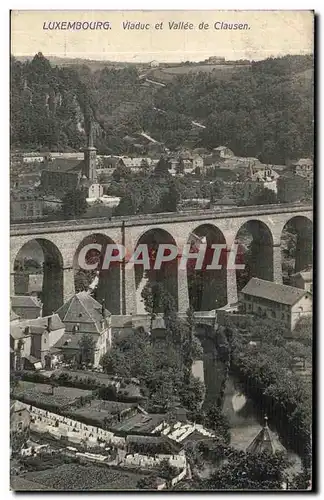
pixel 163 365
pixel 245 471
pixel 269 370
pixel 265 112
pixel 74 204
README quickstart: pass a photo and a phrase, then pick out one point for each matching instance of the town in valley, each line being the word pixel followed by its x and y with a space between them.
pixel 161 377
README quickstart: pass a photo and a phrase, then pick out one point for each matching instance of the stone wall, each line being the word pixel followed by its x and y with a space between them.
pixel 58 426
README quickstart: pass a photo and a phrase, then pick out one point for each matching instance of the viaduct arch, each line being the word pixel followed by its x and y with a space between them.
pixel 265 225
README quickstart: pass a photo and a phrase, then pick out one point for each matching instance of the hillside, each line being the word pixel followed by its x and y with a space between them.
pixel 217 71
pixel 264 109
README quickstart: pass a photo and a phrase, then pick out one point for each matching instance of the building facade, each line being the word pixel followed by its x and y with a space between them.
pixel 83 316
pixel 27 307
pixel 275 301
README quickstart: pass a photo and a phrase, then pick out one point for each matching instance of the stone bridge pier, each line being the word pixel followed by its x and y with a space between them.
pixel 61 241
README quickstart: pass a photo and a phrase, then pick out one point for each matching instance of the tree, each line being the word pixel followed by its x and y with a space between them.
pixel 298 350
pixel 216 420
pixel 74 203
pixel 157 299
pixel 14 382
pixel 86 346
pixel 18 353
pixel 163 397
pixel 18 440
pixel 245 471
pixel 162 168
pixel 83 279
pixel 120 173
pixel 53 385
pixel 166 471
pixel 274 133
pixel 301 481
pixel 170 199
pixel 217 190
pixel 147 483
pixel 180 167
pixel 263 196
pixel 192 394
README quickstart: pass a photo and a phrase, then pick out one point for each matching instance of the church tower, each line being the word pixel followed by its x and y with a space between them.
pixel 90 158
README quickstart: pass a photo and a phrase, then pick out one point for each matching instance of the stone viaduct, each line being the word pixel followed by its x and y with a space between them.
pixel 61 241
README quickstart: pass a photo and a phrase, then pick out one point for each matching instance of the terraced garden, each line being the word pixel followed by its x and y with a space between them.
pixel 80 477
pixel 39 394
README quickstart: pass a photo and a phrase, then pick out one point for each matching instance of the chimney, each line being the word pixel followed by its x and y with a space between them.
pixel 103 308
pixel 49 323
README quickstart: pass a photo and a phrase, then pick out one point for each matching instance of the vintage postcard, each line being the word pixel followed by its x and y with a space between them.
pixel 161 261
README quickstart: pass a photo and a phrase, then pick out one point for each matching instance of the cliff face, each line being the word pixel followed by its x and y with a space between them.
pixel 48 106
pixel 265 111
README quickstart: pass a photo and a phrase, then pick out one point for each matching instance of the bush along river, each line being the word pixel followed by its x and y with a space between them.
pixel 245 416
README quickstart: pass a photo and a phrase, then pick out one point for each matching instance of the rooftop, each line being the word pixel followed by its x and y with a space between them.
pixel 64 165
pixel 265 441
pixel 53 322
pixel 306 274
pixel 110 161
pixel 275 292
pixel 304 161
pixel 71 341
pixel 140 423
pixel 24 301
pixel 13 315
pixel 82 308
pixel 26 327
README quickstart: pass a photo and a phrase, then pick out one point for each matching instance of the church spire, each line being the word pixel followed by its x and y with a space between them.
pixel 90 156
pixel 90 135
pixel 265 441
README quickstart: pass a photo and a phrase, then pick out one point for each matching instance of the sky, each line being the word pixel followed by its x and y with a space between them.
pixel 270 34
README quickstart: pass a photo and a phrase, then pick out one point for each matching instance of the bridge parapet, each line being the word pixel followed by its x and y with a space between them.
pixel 155 219
pixel 66 237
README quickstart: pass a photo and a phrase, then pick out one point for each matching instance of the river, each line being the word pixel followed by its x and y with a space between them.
pixel 244 417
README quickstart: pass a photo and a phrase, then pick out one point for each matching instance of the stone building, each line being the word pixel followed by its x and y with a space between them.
pixel 83 315
pixel 222 153
pixel 303 279
pixel 304 168
pixel 25 205
pixel 63 175
pixel 32 341
pixel 275 301
pixel 19 417
pixel 27 307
